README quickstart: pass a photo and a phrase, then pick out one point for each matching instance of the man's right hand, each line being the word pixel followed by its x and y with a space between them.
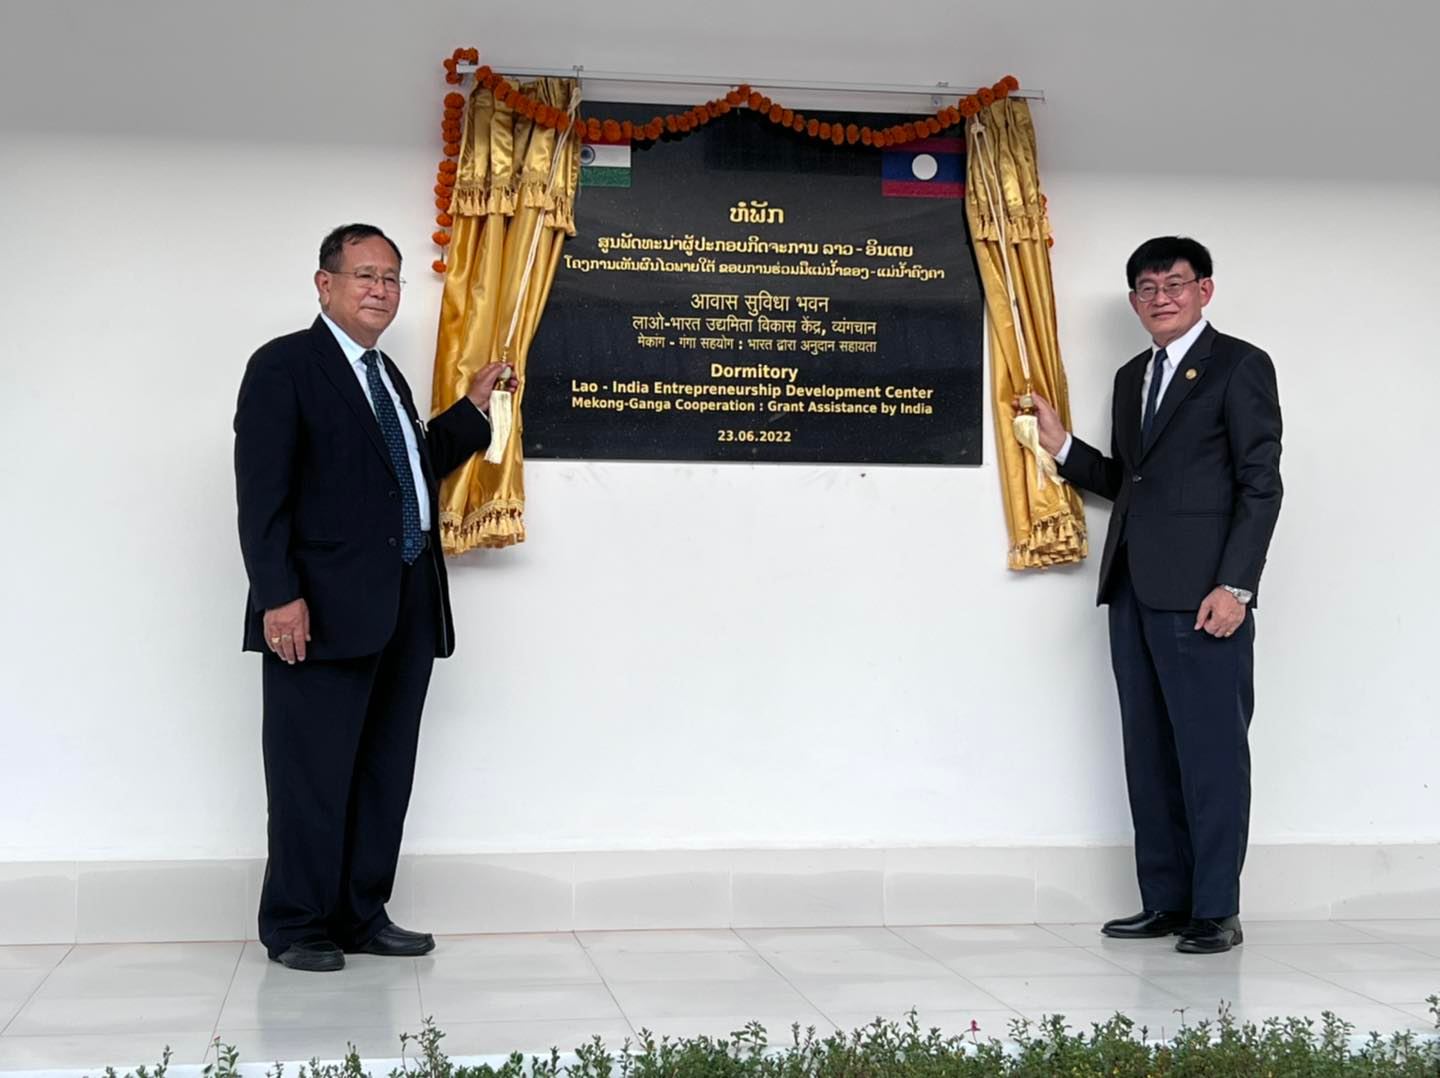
pixel 1052 431
pixel 287 629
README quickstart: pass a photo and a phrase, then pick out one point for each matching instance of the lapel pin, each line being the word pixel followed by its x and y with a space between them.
pixel 1190 374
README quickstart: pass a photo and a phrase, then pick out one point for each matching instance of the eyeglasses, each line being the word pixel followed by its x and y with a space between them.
pixel 1172 289
pixel 368 279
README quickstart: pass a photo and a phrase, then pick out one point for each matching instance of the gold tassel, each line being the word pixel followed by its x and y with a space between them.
pixel 1054 540
pixel 498 523
pixel 502 417
pixel 1027 433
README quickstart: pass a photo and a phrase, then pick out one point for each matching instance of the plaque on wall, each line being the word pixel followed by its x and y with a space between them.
pixel 748 293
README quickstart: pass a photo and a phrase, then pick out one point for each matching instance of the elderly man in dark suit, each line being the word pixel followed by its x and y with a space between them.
pixel 337 481
pixel 1194 472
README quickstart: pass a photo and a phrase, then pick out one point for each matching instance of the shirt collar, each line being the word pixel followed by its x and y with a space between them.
pixel 353 352
pixel 1176 349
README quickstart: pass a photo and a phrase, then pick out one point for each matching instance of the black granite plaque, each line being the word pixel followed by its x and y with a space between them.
pixel 747 293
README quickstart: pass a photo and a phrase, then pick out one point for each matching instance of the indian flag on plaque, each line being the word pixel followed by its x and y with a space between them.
pixel 604 164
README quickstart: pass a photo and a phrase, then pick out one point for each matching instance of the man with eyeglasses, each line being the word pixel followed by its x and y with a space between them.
pixel 1194 472
pixel 337 480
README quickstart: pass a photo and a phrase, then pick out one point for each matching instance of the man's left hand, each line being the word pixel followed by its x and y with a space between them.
pixel 1220 614
pixel 485 382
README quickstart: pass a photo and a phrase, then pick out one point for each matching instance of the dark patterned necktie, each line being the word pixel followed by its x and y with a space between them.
pixel 389 422
pixel 1152 398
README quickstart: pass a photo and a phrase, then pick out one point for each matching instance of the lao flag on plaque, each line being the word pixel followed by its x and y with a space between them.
pixel 925 168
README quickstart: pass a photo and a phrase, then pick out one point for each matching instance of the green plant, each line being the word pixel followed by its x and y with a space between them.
pixel 1223 1048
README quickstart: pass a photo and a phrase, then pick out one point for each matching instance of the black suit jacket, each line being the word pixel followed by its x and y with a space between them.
pixel 1198 507
pixel 319 500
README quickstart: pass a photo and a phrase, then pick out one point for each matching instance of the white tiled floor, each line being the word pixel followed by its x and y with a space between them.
pixel 118 1004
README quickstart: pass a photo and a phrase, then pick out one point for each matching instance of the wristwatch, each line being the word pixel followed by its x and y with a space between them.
pixel 1240 594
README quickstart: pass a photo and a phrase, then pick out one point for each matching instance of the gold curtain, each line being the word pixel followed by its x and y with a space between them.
pixel 513 206
pixel 1007 216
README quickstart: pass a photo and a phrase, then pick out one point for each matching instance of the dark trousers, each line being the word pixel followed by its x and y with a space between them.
pixel 1186 699
pixel 340 740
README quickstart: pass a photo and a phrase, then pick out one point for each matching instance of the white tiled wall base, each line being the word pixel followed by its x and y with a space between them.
pixel 117 902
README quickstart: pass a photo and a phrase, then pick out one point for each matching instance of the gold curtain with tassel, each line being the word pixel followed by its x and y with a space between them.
pixel 1010 232
pixel 513 206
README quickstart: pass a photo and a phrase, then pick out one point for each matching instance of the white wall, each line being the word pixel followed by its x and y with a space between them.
pixel 692 655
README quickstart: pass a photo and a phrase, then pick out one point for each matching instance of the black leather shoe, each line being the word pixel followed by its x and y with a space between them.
pixel 320 957
pixel 1208 935
pixel 396 942
pixel 1145 925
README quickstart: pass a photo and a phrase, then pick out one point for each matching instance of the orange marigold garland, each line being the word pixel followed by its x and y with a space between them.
pixel 596 129
pixel 451 127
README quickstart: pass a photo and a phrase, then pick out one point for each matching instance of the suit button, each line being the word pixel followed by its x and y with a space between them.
pixel 1136 477
pixel 390 541
pixel 394 494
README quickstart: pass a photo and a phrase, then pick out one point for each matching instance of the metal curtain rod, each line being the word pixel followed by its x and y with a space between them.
pixel 939 89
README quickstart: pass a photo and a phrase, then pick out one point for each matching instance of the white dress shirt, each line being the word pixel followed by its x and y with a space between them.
pixel 356 355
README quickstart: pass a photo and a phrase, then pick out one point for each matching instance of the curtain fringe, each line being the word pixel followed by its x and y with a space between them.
pixel 497 523
pixel 478 200
pixel 1058 539
pixel 1018 227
